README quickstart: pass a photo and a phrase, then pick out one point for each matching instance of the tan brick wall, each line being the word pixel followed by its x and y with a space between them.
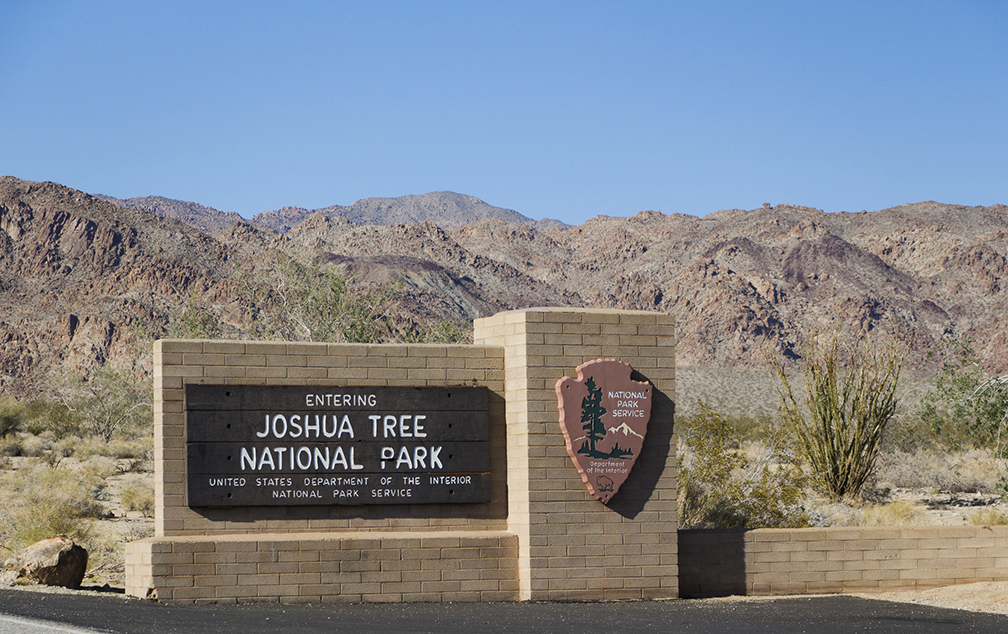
pixel 571 546
pixel 324 567
pixel 819 560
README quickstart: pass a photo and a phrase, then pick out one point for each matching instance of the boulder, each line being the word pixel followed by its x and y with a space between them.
pixel 57 561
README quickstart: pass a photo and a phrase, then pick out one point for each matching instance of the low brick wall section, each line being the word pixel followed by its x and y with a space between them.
pixel 820 560
pixel 326 567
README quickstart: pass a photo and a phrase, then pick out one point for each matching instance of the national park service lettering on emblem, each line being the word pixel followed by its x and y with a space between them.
pixel 603 417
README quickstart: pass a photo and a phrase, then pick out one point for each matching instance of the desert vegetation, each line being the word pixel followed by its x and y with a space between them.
pixel 849 445
pixel 837 440
pixel 79 465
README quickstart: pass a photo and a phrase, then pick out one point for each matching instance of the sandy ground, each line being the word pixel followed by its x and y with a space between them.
pixel 989 596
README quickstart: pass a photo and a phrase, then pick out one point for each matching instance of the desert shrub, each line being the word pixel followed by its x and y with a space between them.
pixel 969 404
pixel 989 517
pixel 192 321
pixel 899 513
pixel 720 487
pixel 41 502
pixel 314 302
pixel 909 434
pixel 959 472
pixel 11 418
pixel 59 451
pixel 113 400
pixel 11 446
pixel 55 419
pixel 129 449
pixel 36 446
pixel 854 513
pixel 138 495
pixel 441 331
pixel 847 405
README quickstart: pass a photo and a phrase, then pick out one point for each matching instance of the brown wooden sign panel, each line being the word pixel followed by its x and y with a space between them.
pixel 603 417
pixel 287 445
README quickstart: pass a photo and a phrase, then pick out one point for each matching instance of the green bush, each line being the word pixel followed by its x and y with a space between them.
pixel 442 331
pixel 18 416
pixel 41 502
pixel 11 418
pixel 839 426
pixel 112 401
pixel 314 302
pixel 719 487
pixel 192 321
pixel 969 404
pixel 11 446
pixel 138 496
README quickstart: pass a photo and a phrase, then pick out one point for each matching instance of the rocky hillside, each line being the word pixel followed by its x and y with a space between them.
pixel 193 214
pixel 83 281
pixel 445 209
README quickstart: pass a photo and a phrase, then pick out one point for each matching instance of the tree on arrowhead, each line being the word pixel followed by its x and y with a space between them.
pixel 591 415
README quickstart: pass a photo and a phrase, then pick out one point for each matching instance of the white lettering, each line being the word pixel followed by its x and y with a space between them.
pixel 387 453
pixel 280 418
pixel 345 427
pixel 251 459
pixel 404 458
pixel 303 451
pixel 265 457
pixel 419 457
pixel 319 457
pixel 279 451
pixel 339 458
pixel 325 431
pixel 312 427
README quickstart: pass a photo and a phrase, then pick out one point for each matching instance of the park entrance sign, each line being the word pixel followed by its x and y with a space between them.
pixel 604 416
pixel 312 472
pixel 291 445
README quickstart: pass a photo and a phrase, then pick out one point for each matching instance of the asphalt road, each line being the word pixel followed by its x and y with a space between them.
pixel 38 613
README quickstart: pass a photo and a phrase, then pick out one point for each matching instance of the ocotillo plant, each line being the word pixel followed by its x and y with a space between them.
pixel 839 426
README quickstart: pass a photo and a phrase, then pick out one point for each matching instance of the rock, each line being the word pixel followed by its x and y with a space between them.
pixel 53 562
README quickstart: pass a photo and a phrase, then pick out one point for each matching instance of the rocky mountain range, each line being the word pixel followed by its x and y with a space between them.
pixel 445 209
pixel 85 280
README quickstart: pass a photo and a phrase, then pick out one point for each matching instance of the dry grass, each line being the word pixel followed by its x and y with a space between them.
pixel 989 517
pixel 72 486
pixel 137 494
pixel 969 471
pixel 39 502
pixel 899 513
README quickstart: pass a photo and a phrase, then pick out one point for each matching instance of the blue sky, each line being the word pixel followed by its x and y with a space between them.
pixel 561 110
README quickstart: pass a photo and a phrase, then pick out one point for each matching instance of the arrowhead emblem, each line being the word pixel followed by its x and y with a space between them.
pixel 603 417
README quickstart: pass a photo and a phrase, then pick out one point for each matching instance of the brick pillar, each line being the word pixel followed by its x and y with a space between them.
pixel 571 546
